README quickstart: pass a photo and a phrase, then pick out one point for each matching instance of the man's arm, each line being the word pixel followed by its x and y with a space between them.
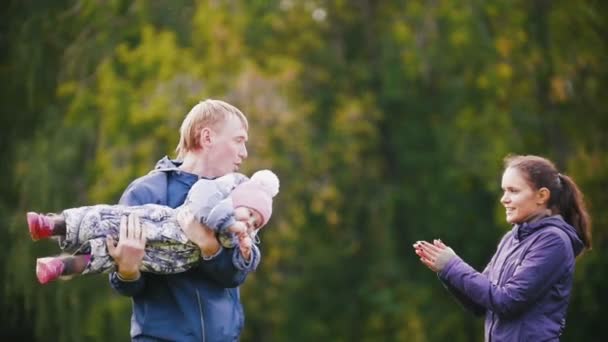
pixel 466 302
pixel 222 270
pixel 216 262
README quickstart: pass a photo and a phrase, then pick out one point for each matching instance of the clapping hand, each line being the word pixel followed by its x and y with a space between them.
pixel 435 256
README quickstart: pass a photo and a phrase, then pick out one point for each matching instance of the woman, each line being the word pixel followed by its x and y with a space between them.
pixel 525 289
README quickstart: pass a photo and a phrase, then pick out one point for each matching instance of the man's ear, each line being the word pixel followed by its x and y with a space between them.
pixel 206 137
pixel 542 196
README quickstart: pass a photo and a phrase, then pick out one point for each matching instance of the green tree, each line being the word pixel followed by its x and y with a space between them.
pixel 386 122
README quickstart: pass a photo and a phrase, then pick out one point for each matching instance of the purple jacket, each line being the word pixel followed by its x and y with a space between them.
pixel 524 290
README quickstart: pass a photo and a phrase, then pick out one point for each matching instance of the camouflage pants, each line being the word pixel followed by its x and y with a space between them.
pixel 168 250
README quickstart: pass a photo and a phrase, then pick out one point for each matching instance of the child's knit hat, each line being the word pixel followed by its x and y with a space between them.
pixel 257 193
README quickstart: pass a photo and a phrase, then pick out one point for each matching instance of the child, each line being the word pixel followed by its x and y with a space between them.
pixel 234 207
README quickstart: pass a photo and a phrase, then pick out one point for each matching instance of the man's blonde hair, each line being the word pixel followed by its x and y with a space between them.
pixel 209 113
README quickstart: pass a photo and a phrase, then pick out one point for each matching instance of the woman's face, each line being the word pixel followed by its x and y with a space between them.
pixel 250 217
pixel 520 200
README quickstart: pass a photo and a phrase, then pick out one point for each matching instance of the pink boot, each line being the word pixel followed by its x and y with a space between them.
pixel 48 269
pixel 41 226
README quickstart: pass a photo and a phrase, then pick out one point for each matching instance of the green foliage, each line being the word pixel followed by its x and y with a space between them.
pixel 386 122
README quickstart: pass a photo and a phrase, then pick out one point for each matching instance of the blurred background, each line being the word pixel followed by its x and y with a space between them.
pixel 387 122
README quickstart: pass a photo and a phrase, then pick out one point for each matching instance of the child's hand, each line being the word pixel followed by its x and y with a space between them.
pixel 238 228
pixel 245 245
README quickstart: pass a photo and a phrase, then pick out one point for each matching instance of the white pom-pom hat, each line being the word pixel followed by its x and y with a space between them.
pixel 257 193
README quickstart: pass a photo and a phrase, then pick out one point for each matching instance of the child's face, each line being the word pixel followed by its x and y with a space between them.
pixel 251 217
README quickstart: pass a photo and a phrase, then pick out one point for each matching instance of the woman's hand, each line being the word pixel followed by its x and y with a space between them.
pixel 435 256
pixel 198 233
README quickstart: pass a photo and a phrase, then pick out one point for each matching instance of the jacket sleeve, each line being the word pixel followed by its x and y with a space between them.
pixel 210 203
pixel 221 217
pixel 132 196
pixel 540 268
pixel 463 299
pixel 247 265
pixel 203 197
pixel 223 270
pixel 127 288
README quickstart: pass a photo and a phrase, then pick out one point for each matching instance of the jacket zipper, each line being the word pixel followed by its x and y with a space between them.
pixel 200 309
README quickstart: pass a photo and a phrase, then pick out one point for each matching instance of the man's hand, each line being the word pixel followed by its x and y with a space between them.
pixel 129 252
pixel 198 233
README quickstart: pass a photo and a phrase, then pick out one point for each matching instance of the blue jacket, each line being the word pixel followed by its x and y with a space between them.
pixel 201 304
pixel 525 289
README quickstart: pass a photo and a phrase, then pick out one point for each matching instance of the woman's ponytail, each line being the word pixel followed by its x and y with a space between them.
pixel 571 206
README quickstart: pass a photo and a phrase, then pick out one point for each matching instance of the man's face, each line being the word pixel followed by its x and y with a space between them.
pixel 227 149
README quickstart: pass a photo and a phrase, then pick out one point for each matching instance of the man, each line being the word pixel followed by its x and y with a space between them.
pixel 202 304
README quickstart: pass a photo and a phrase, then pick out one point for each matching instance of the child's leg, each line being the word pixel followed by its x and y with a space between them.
pixel 51 268
pixel 98 221
pixel 43 226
